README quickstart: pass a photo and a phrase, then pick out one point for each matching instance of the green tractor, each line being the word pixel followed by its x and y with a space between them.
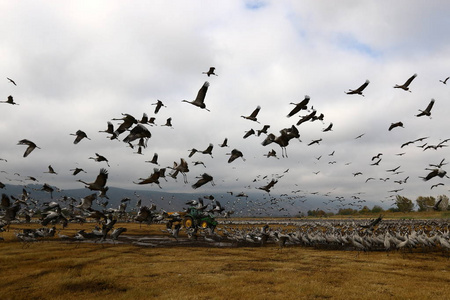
pixel 195 219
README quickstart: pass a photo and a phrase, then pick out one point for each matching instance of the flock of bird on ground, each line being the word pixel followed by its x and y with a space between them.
pixel 137 134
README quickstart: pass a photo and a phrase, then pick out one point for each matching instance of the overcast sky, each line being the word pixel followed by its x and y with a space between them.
pixel 78 65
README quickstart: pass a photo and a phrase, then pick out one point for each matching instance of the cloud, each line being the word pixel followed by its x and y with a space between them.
pixel 79 67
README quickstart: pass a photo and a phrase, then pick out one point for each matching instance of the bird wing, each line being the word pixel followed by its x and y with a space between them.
pixel 102 177
pixel 430 106
pixel 255 112
pixel 202 93
pixel 410 79
pixel 363 86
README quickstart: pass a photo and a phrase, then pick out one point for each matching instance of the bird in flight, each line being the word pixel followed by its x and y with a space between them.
pixel 397 124
pixel 100 158
pixel 200 99
pixel 30 144
pixel 79 136
pixel 405 86
pixel 299 106
pixel 12 81
pixel 210 72
pixel 358 90
pixel 427 111
pixel 10 100
pixel 253 115
pixel 444 81
pixel 158 104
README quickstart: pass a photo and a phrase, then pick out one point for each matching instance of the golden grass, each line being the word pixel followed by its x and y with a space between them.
pixel 60 270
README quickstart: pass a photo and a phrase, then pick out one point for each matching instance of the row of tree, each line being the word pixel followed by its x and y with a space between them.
pixel 403 204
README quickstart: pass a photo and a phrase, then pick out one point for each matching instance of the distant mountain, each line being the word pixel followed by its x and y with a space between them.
pixel 255 204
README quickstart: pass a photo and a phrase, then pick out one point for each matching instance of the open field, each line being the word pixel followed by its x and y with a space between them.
pixel 56 269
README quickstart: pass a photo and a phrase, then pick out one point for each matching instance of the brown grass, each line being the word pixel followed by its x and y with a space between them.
pixel 60 270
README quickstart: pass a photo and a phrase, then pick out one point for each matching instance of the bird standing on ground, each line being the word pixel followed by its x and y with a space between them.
pixel 200 99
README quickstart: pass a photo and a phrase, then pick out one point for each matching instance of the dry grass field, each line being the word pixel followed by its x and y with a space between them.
pixel 55 269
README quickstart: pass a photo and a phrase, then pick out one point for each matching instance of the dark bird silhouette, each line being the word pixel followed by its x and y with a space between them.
pixel 235 154
pixel 444 81
pixel 99 183
pixel 182 168
pixel 86 202
pixel 153 178
pixel 249 133
pixel 47 188
pixel 224 143
pixel 308 117
pixel 79 136
pixel 358 90
pixel 128 121
pixel 154 159
pixel 109 129
pixel 436 185
pixel 315 142
pixel 168 123
pixel 203 179
pixel 76 171
pixel 263 130
pixel 158 104
pixel 299 106
pixel 394 125
pixel 30 144
pixel 283 140
pixel 13 82
pixel 377 156
pixel 10 101
pixel 427 111
pixel 138 131
pixel 435 172
pixel 328 128
pixel 252 116
pixel 200 99
pixel 210 72
pixel 268 186
pixel 405 86
pixel 100 158
pixel 51 171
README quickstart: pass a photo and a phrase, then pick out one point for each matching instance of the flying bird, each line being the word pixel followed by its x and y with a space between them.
pixel 444 81
pixel 405 86
pixel 109 129
pixel 394 125
pixel 328 128
pixel 76 171
pixel 100 158
pixel 158 104
pixel 235 154
pixel 252 116
pixel 200 99
pixel 153 178
pixel 268 186
pixel 51 171
pixel 79 136
pixel 12 81
pixel 299 106
pixel 10 101
pixel 203 179
pixel 99 183
pixel 210 72
pixel 30 144
pixel 224 143
pixel 427 111
pixel 358 90
pixel 154 159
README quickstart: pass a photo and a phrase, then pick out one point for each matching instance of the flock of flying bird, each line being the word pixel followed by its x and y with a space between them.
pixel 135 133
